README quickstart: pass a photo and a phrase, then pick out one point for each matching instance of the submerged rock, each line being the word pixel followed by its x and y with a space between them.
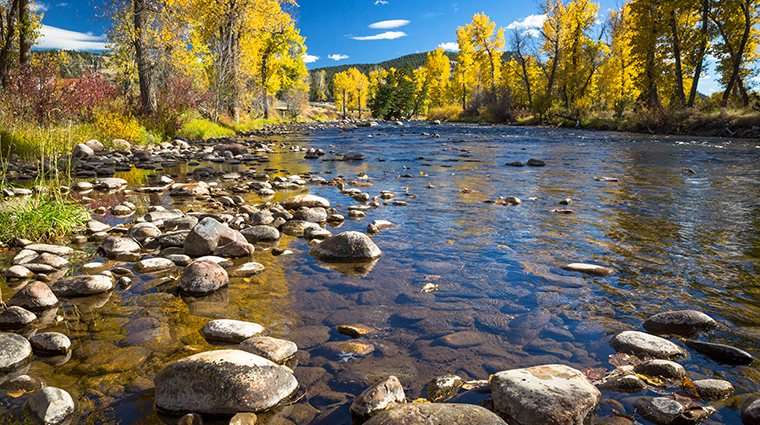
pixel 51 406
pixel 82 285
pixel 721 353
pixel 682 322
pixel 222 382
pixel 661 368
pixel 710 389
pixel 120 248
pixel 643 344
pixel 443 388
pixel 202 277
pixel 346 247
pixel 436 414
pixel 50 343
pixel 750 411
pixel 234 331
pixel 591 269
pixel 274 349
pixel 15 317
pixel 547 395
pixel 378 397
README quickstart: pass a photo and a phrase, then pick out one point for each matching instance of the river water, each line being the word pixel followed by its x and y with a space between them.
pixel 677 218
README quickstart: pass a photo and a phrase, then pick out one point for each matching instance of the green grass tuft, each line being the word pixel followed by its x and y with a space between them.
pixel 43 217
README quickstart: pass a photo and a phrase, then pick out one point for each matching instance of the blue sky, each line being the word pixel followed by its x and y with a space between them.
pixel 337 32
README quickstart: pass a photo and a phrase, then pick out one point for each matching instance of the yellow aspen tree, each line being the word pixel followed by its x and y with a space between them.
pixel 464 73
pixel 437 72
pixel 737 48
pixel 488 44
pixel 341 90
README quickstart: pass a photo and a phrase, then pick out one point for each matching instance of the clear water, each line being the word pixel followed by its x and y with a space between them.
pixel 677 240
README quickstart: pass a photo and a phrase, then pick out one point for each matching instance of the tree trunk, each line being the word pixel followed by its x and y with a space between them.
pixel 25 40
pixel 144 65
pixel 737 60
pixel 521 58
pixel 700 53
pixel 680 97
pixel 9 31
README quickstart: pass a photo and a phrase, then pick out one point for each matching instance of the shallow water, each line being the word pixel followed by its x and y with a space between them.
pixel 677 240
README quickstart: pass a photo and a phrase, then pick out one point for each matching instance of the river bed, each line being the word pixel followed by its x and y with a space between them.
pixel 678 219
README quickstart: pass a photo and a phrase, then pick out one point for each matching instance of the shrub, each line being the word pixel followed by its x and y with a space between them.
pixel 445 113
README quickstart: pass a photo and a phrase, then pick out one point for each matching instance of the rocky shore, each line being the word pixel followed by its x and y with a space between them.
pixel 194 251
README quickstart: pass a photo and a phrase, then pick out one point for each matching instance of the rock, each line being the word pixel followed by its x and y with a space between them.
pixel 15 350
pixel 591 269
pixel 721 353
pixel 81 286
pixel 682 322
pixel 121 144
pixel 298 227
pixel 377 225
pixel 202 277
pixel 233 331
pixel 152 265
pixel 550 395
pixel 354 331
pixel 222 262
pixel 658 410
pixel 120 248
pixel 189 189
pixel 436 414
pixel 180 223
pixel 462 339
pixel 109 183
pixel 62 251
pixel 710 389
pixel 15 317
pixel 18 272
pixel 173 239
pixel 260 233
pixel 160 218
pixel 311 233
pixel 245 418
pixel 346 247
pixel 190 419
pixel 142 231
pixel 35 296
pixel 443 388
pixel 207 235
pixel 261 218
pixel 82 151
pixel 248 269
pixel 50 343
pixel 82 186
pixel 51 260
pixel 95 145
pixel 750 411
pixel 642 344
pixel 305 200
pixel 235 249
pixel 314 215
pixel 51 406
pixel 624 384
pixel 222 382
pixel 661 368
pixel 274 349
pixel 348 349
pixel 536 162
pixel 379 397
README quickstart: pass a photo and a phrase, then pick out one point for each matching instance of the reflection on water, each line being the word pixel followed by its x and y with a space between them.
pixel 681 226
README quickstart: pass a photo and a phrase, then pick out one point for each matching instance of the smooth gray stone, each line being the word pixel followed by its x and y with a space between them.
pixel 682 322
pixel 35 296
pixel 50 343
pixel 202 277
pixel 82 285
pixel 274 349
pixel 234 331
pixel 15 350
pixel 643 344
pixel 379 397
pixel 51 405
pixel 436 414
pixel 346 247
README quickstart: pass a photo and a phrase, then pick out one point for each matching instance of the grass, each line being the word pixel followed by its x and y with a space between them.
pixel 43 217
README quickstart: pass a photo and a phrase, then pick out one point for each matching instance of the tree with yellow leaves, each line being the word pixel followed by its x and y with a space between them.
pixel 488 46
pixel 437 72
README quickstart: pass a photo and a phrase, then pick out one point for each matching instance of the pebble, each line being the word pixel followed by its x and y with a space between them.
pixel 354 331
pixel 378 397
pixel 18 272
pixel 591 269
pixel 248 269
pixel 152 265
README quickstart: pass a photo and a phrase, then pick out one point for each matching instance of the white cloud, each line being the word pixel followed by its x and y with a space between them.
pixel 532 21
pixel 532 32
pixel 386 25
pixel 309 58
pixel 338 57
pixel 62 5
pixel 451 46
pixel 380 2
pixel 388 35
pixel 57 38
pixel 39 7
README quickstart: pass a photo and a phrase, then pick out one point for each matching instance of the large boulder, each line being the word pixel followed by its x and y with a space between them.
pixel 222 382
pixel 643 344
pixel 682 322
pixel 120 249
pixel 82 285
pixel 346 247
pixel 15 350
pixel 207 235
pixel 543 395
pixel 436 414
pixel 380 396
pixel 202 277
pixel 305 200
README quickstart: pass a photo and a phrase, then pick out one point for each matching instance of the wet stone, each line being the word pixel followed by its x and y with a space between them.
pixel 202 277
pixel 233 331
pixel 51 260
pixel 346 247
pixel 81 286
pixel 181 260
pixel 443 388
pixel 550 394
pixel 261 233
pixel 658 410
pixel 248 269
pixel 297 227
pixel 661 368
pixel 180 223
pixel 235 249
pixel 51 406
pixel 50 343
pixel 354 331
pixel 305 200
pixel 222 382
pixel 142 231
pixel 62 251
pixel 710 389
pixel 35 296
pixel 152 265
pixel 721 353
pixel 274 349
pixel 436 413
pixel 750 411
pixel 682 322
pixel 207 235
pixel 624 384
pixel 643 344
pixel 15 317
pixel 120 248
pixel 462 339
pixel 591 269
pixel 379 397
pixel 348 349
pixel 15 350
pixel 18 272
